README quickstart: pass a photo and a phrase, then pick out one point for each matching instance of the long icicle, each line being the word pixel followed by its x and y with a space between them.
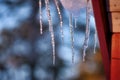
pixel 87 33
pixel 51 29
pixel 72 38
pixel 40 12
pixel 60 17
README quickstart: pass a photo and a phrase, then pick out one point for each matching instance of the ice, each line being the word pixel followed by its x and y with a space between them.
pixel 40 7
pixel 87 33
pixel 48 14
pixel 73 6
pixel 95 41
pixel 75 22
pixel 61 21
pixel 72 36
pixel 51 29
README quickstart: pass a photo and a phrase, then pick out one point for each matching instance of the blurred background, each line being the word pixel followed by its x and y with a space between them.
pixel 27 55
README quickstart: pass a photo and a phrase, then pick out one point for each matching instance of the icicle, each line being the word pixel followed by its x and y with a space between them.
pixel 95 41
pixel 60 17
pixel 75 22
pixel 40 7
pixel 48 13
pixel 72 38
pixel 50 29
pixel 87 33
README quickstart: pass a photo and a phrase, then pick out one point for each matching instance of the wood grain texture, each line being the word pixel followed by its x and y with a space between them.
pixel 113 5
pixel 115 69
pixel 115 21
pixel 115 46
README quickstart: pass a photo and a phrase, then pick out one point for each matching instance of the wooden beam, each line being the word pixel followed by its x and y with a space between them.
pixel 115 46
pixel 115 64
pixel 115 21
pixel 115 69
pixel 113 5
pixel 99 7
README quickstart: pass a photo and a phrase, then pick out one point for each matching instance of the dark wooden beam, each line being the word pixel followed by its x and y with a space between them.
pixel 102 25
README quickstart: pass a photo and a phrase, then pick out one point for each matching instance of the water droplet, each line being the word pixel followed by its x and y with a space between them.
pixel 51 29
pixel 72 37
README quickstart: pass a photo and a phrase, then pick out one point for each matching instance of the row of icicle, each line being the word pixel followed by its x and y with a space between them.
pixel 87 32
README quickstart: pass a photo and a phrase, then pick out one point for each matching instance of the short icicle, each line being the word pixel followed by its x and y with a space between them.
pixel 60 17
pixel 51 29
pixel 40 12
pixel 87 33
pixel 72 35
pixel 95 41
pixel 75 22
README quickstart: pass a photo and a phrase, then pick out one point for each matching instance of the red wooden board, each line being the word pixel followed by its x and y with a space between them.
pixel 115 69
pixel 115 46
